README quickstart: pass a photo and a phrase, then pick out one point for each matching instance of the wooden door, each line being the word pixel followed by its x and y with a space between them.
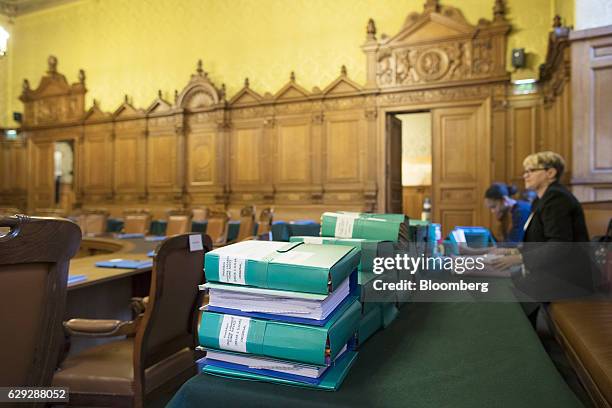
pixel 393 167
pixel 461 165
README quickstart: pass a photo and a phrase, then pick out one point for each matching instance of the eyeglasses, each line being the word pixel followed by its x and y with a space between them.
pixel 529 171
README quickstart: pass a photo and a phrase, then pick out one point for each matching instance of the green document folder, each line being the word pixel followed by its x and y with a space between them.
pixel 293 266
pixel 286 341
pixel 368 248
pixel 331 381
pixel 341 225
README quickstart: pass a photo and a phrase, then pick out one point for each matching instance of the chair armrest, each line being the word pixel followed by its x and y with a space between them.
pixel 139 304
pixel 101 328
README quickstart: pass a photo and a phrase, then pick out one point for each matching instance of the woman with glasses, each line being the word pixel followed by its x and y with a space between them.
pixel 512 214
pixel 555 220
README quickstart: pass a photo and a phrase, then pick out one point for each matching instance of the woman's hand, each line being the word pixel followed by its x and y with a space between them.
pixel 501 251
pixel 507 261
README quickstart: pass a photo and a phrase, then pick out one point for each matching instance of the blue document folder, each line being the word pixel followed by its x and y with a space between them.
pixel 155 238
pixel 151 254
pixel 329 381
pixel 125 264
pixel 72 279
pixel 128 236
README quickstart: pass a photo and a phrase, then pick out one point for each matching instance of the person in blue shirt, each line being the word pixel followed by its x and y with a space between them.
pixel 512 214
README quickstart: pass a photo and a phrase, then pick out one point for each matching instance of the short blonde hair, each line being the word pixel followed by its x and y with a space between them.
pixel 547 160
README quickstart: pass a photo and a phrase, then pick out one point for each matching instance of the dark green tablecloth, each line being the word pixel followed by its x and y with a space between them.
pixel 434 355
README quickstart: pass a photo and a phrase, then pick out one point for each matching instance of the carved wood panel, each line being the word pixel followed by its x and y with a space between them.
pixel 129 154
pixel 523 135
pixel 98 160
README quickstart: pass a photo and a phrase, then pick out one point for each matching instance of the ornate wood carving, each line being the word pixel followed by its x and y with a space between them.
pixel 54 101
pixel 439 46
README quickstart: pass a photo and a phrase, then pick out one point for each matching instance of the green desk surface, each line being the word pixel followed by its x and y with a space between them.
pixel 434 355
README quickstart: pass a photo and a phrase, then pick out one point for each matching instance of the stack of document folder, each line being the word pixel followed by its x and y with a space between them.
pixel 379 309
pixel 281 312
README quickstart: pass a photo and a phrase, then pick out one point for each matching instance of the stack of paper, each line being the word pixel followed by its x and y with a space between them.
pixel 281 312
pixel 256 302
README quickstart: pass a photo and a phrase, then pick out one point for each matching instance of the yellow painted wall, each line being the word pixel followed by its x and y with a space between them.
pixel 139 46
pixel 5 74
pixel 565 9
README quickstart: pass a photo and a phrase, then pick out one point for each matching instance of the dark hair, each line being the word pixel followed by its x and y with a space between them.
pixel 497 191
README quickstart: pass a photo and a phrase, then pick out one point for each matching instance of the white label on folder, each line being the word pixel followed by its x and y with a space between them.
pixel 313 240
pixel 293 257
pixel 344 226
pixel 234 332
pixel 459 236
pixel 195 243
pixel 232 270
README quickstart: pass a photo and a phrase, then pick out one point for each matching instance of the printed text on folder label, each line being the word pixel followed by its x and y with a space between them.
pixel 344 226
pixel 234 332
pixel 232 270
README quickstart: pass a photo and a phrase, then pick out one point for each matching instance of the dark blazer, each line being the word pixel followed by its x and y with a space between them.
pixel 557 217
pixel 553 252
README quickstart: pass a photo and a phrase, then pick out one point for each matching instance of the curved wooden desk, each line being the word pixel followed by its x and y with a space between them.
pixel 105 249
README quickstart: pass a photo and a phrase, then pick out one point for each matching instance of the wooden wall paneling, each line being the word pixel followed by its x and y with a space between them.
pixel 165 154
pixel 345 156
pixel 293 160
pixel 523 133
pixel 249 161
pixel 499 141
pixel 592 122
pixel 206 159
pixel 459 183
pixel 554 83
pixel 129 155
pixel 96 166
pixel 13 173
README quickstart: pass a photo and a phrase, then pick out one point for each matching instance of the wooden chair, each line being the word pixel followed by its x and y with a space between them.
pixel 247 223
pixel 264 228
pixel 136 221
pixel 597 214
pixel 158 351
pixel 95 222
pixel 218 222
pixel 34 259
pixel 179 222
pixel 199 214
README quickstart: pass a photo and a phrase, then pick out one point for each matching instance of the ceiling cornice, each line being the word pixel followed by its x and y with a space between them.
pixel 15 8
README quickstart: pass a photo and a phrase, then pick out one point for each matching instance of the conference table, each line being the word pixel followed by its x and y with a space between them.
pixel 105 293
pixel 459 354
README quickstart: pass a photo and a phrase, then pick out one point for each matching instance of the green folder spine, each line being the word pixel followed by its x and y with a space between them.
pixel 328 264
pixel 365 228
pixel 287 341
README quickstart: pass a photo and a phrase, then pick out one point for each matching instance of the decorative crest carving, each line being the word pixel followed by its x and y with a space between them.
pixel 371 30
pixel 439 45
pixel 200 92
pixel 55 100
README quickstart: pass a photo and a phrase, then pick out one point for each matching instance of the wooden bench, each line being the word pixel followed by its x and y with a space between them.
pixel 584 330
